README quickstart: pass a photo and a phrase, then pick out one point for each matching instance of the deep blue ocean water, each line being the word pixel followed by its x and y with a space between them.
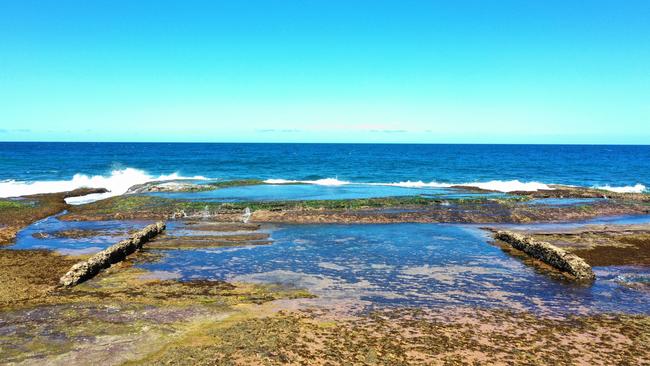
pixel 563 164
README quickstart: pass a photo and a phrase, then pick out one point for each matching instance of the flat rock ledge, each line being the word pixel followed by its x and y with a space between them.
pixel 549 254
pixel 86 270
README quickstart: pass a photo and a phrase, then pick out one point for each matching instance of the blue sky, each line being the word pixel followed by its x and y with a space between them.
pixel 326 71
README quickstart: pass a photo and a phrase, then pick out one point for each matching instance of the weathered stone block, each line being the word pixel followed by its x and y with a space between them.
pixel 83 271
pixel 549 254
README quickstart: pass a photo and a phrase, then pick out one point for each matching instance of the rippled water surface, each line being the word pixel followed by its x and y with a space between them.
pixel 279 192
pixel 97 235
pixel 408 264
pixel 431 265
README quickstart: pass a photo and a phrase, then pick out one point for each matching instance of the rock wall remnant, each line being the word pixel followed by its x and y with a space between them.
pixel 549 254
pixel 85 270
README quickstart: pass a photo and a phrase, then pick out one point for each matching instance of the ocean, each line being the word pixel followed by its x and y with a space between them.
pixel 39 167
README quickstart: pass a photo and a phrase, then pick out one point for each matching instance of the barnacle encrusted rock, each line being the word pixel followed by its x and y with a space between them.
pixel 549 254
pixel 83 271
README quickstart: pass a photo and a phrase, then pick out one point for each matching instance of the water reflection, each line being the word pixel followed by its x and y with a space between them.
pixel 281 192
pixel 423 265
pixel 406 264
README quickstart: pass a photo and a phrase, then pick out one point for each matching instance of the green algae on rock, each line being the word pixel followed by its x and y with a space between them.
pixel 603 245
pixel 124 307
pixel 411 337
pixel 562 191
pixel 16 214
pixel 372 210
pixel 28 275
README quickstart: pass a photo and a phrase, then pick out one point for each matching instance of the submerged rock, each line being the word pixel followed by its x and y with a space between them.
pixel 167 186
pixel 549 254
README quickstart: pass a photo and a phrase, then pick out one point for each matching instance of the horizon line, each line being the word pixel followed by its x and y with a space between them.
pixel 326 143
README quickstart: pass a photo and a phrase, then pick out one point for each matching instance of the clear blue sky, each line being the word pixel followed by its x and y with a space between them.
pixel 326 71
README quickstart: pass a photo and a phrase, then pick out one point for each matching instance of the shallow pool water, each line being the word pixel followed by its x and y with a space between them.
pixel 559 202
pixel 421 265
pixel 101 234
pixel 428 265
pixel 281 192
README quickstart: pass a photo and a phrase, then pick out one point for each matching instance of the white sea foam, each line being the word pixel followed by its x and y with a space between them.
pixel 509 186
pixel 281 181
pixel 638 188
pixel 118 182
pixel 495 185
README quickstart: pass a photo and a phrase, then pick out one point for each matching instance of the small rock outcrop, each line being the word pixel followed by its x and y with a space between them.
pixel 85 270
pixel 549 254
pixel 168 186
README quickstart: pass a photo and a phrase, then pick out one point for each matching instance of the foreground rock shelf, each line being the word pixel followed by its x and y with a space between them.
pixel 549 254
pixel 83 271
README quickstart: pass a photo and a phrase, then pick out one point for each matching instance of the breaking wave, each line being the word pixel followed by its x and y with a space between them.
pixel 118 182
pixel 509 186
pixel 638 188
pixel 495 185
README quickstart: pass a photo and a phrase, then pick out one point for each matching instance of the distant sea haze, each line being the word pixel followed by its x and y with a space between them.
pixel 33 167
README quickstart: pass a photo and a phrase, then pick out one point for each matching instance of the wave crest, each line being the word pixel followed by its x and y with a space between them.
pixel 494 185
pixel 117 182
pixel 509 186
pixel 638 188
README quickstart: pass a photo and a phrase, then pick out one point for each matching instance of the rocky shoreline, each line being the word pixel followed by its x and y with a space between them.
pixel 147 318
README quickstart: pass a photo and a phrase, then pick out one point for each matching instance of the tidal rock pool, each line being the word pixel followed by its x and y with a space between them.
pixel 75 237
pixel 282 192
pixel 431 265
pixel 368 265
pixel 559 202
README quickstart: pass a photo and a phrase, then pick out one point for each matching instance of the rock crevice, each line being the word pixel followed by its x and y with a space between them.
pixel 85 270
pixel 549 254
